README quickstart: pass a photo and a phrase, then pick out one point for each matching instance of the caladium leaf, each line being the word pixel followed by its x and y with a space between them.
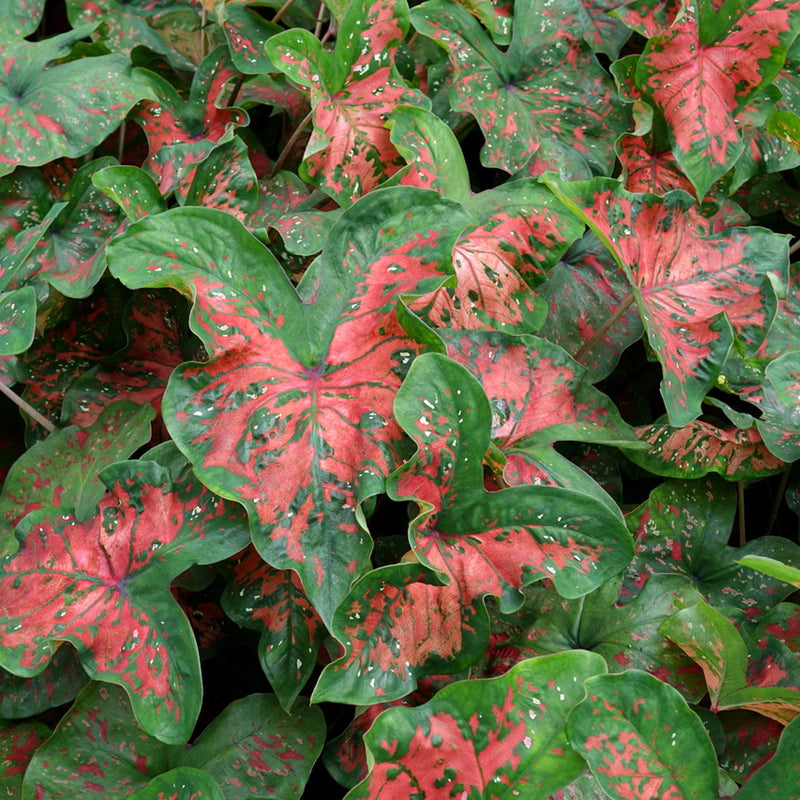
pixel 743 50
pixel 539 89
pixel 158 340
pixel 59 110
pixel 115 572
pixel 129 24
pixel 521 231
pixel 698 448
pixel 98 746
pixel 353 92
pixel 626 636
pixel 70 255
pixel 309 384
pixel 494 542
pixel 712 640
pixel 585 290
pixel 132 189
pixel 193 126
pixel 770 566
pixel 226 180
pixel 397 625
pixel 255 749
pixel 647 168
pixel 62 470
pixel 181 783
pixel 58 684
pixel 640 739
pixel 481 738
pixel 694 288
pixel 17 746
pixel 21 17
pixel 604 33
pixel 246 33
pixel 684 528
pixel 779 775
pixel 273 602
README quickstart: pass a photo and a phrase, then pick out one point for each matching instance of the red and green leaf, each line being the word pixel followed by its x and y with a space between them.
pixel 62 470
pixel 695 288
pixel 484 738
pixel 701 70
pixel 641 740
pixel 307 383
pixel 48 110
pixel 273 602
pixel 780 776
pixel 18 743
pixel 491 543
pixel 21 18
pixel 537 90
pixel 353 92
pixel 116 569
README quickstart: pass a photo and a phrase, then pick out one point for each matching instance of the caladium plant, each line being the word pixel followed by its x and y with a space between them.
pixel 435 368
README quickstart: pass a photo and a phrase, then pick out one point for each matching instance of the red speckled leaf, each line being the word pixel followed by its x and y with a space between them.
pixel 712 640
pixel 694 287
pixel 18 743
pixel 132 189
pixel 780 776
pixel 58 684
pixel 538 396
pixel 494 542
pixel 700 447
pixel 398 625
pixel 547 85
pixel 273 602
pixel 649 17
pixel 307 384
pixel 48 110
pixel 130 23
pixel 181 783
pixel 62 470
pixel 226 180
pixel 246 33
pixel 190 127
pixel 703 69
pixel 641 740
pixel 604 33
pixel 647 168
pixel 484 738
pixel 521 231
pixel 684 529
pixel 158 340
pixel 353 92
pixel 21 17
pixel 583 291
pixel 103 585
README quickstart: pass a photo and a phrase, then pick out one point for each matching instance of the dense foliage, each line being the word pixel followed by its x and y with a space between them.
pixel 383 388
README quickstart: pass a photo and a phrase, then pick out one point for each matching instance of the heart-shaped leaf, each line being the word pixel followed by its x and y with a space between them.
pixel 495 542
pixel 642 740
pixel 62 470
pixel 483 738
pixel 694 287
pixel 309 385
pixel 116 570
pixel 353 92
pixel 63 109
pixel 535 91
pixel 743 50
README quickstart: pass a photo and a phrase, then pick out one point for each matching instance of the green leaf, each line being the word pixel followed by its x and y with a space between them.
pixel 59 110
pixel 21 18
pixel 534 92
pixel 483 738
pixel 18 743
pixel 132 189
pixel 769 566
pixel 181 783
pixel 642 740
pixel 779 776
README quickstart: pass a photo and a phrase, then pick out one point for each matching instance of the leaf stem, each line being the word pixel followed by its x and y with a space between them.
pixel 121 143
pixel 287 148
pixel 320 20
pixel 27 408
pixel 587 346
pixel 282 10
pixel 742 527
pixel 235 91
pixel 794 248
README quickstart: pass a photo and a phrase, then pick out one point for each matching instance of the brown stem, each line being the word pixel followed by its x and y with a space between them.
pixel 121 143
pixel 235 91
pixel 282 10
pixel 27 408
pixel 287 148
pixel 320 20
pixel 587 346
pixel 794 248
pixel 773 514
